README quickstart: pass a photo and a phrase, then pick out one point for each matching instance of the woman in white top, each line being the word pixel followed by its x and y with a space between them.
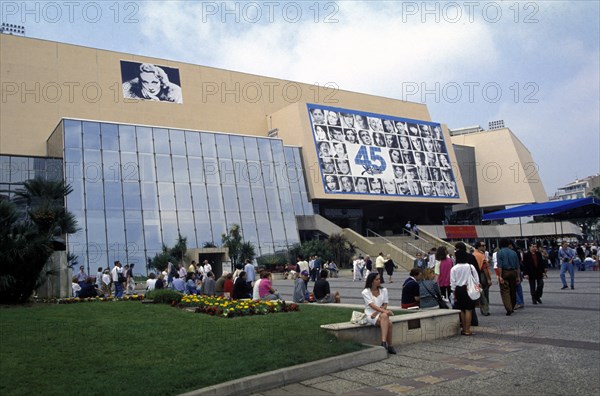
pixel 459 277
pixel 376 302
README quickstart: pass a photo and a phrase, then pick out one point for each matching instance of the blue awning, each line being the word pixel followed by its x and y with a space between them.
pixel 573 208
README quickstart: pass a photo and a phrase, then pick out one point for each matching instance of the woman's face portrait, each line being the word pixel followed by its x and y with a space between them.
pixel 351 136
pixel 389 186
pixel 340 150
pixel 320 132
pixel 416 142
pixel 333 118
pixel 428 144
pixel 348 120
pixel 347 185
pixel 361 122
pixel 404 144
pixel 375 124
pixel 150 82
pixel 401 127
pixel 343 167
pixel 395 156
pixel 318 116
pixel 444 161
pixel 361 185
pixel 331 183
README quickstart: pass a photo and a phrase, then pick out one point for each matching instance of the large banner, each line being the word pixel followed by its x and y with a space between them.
pixel 150 82
pixel 366 153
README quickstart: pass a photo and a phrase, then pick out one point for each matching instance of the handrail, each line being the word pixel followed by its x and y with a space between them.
pixel 416 247
pixel 379 236
pixel 418 236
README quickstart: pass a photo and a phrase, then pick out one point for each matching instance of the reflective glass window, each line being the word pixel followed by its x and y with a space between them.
pixel 217 221
pixel 5 169
pixel 73 134
pixel 146 167
pixel 130 169
pixel 92 165
pixel 75 199
pixel 264 150
pixel 251 148
pixel 268 174
pixel 161 141
pixel 180 169
pixel 196 168
pixel 230 199
pixel 163 168
pixel 149 196
pixel 131 196
pixel 203 229
pixel 94 195
pixel 166 196
pixel 241 173
pixel 223 146
pixel 226 171
pixel 170 229
pixel 192 142
pixel 245 199
pixel 215 198
pixel 73 164
pixel 177 141
pixel 145 142
pixel 115 229
pixel 273 202
pixel 113 195
pixel 110 136
pixel 184 200
pixel 208 145
pixel 91 135
pixel 127 141
pixel 211 171
pixel 186 227
pixel 237 147
pixel 54 169
pixel 199 197
pixel 259 200
pixel 111 165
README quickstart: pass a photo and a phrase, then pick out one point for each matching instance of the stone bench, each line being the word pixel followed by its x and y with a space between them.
pixel 413 327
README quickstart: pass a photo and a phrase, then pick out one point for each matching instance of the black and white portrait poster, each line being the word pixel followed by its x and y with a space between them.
pixel 150 82
pixel 367 153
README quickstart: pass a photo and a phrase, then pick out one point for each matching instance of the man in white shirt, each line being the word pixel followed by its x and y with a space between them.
pixel 116 271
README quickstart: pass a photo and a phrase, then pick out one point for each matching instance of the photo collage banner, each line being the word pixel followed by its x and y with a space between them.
pixel 374 154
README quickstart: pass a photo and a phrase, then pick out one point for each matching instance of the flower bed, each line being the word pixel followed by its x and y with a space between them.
pixel 222 307
pixel 72 300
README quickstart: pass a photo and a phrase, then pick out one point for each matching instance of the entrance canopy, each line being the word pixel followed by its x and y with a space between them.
pixel 569 209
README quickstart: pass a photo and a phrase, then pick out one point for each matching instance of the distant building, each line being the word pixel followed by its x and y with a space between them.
pixel 580 188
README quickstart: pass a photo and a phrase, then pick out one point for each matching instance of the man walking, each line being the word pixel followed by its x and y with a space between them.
pixel 250 276
pixel 508 265
pixel 535 269
pixel 485 278
pixel 380 265
pixel 566 256
pixel 116 275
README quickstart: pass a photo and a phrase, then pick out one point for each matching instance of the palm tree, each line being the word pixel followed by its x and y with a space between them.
pixel 31 228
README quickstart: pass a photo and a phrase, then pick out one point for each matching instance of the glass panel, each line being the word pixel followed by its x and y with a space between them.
pixel 96 230
pixel 115 230
pixel 226 171
pixel 208 145
pixel 166 196
pixel 186 228
pixel 127 138
pixel 285 200
pixel 152 232
pixel 113 195
pixel 19 169
pixel 199 197
pixel 111 166
pixel 259 200
pixel 75 199
pixel 146 167
pixel 110 137
pixel 72 134
pixel 54 169
pixel 241 172
pixel 92 165
pixel 180 169
pixel 196 167
pixel 169 227
pixel 249 227
pixel 211 171
pixel 230 199
pixel 203 229
pixel 134 231
pixel 131 196
pixel 192 140
pixel 251 148
pixel 73 164
pixel 215 198
pixel 254 173
pixel 298 207
pixel 264 150
pixel 183 195
pixel 94 195
pixel 232 218
pixel 223 146
pixel 237 147
pixel 268 174
pixel 177 142
pixel 273 200
pixel 217 220
pixel 144 140
pixel 163 168
pixel 161 141
pixel 91 135
pixel 130 169
pixel 245 199
pixel 149 196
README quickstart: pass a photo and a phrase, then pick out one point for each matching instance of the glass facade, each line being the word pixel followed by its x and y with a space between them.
pixel 136 188
pixel 14 170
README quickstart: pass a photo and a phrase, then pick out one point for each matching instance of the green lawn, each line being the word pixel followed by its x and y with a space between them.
pixel 144 349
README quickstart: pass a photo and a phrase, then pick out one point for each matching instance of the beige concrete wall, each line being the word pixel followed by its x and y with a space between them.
pixel 505 170
pixel 44 81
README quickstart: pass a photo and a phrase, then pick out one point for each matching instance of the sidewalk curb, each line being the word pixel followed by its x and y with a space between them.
pixel 293 374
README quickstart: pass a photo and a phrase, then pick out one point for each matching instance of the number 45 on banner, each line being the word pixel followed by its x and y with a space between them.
pixel 373 166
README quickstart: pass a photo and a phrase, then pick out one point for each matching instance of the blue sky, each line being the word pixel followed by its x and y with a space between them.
pixel 536 65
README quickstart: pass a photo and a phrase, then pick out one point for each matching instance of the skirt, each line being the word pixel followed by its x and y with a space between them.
pixel 462 300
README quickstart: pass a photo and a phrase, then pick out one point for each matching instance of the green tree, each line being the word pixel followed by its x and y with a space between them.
pixel 247 251
pixel 341 249
pixel 175 255
pixel 233 240
pixel 32 227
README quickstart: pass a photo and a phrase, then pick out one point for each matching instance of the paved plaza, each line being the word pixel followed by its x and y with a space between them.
pixel 548 349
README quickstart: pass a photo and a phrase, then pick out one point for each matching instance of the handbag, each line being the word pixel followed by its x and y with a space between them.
pixel 358 318
pixel 441 302
pixel 473 287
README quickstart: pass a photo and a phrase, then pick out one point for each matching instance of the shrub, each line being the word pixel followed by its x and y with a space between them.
pixel 165 296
